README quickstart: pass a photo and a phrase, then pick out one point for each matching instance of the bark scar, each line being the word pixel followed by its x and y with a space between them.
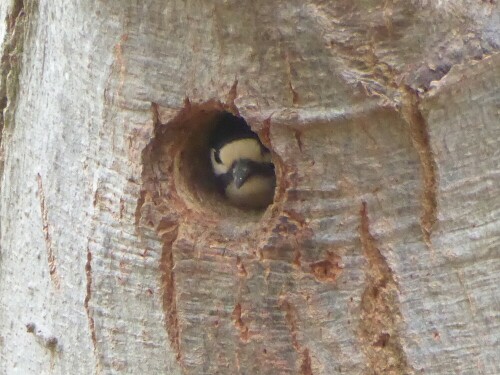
pixel 88 273
pixel 289 71
pixel 240 324
pixel 242 272
pixel 50 342
pixel 51 259
pixel 291 319
pixel 168 285
pixel 231 97
pixel 380 315
pixel 295 95
pixel 298 138
pixel 329 269
pixel 305 368
pixel 421 141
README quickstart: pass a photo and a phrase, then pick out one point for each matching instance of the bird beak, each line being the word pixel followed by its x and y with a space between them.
pixel 241 172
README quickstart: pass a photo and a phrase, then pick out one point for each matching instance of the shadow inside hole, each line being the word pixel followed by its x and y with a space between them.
pixel 195 179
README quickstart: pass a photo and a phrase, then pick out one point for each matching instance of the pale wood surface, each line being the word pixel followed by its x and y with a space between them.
pixel 380 254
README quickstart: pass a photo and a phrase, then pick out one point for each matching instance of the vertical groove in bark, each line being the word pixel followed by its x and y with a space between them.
pixel 231 97
pixel 292 320
pixel 420 137
pixel 380 314
pixel 51 258
pixel 242 272
pixel 305 368
pixel 88 296
pixel 240 324
pixel 168 288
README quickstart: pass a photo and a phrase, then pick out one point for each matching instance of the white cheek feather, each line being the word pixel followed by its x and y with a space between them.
pixel 218 168
pixel 256 192
pixel 247 148
pixel 267 157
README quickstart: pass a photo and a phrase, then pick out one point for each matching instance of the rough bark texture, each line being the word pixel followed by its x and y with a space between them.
pixel 380 254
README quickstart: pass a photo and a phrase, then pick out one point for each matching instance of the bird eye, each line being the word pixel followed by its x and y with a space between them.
pixel 215 153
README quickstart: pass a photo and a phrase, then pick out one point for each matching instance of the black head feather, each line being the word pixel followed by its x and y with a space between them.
pixel 229 128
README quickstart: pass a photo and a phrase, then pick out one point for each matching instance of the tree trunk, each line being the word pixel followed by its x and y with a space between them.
pixel 380 253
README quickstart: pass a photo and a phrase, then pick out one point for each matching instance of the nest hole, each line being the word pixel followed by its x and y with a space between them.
pixel 195 180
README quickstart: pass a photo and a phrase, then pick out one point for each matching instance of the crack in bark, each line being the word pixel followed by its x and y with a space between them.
pixel 240 324
pixel 168 286
pixel 88 296
pixel 420 137
pixel 380 315
pixel 289 72
pixel 295 95
pixel 291 320
pixel 242 272
pixel 305 367
pixel 231 97
pixel 51 259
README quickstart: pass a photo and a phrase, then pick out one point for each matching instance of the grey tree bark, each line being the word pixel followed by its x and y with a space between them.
pixel 380 253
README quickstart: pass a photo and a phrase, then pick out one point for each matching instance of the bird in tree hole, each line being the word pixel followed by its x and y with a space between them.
pixel 241 163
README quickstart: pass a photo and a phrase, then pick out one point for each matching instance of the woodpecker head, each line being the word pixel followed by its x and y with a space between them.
pixel 241 164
